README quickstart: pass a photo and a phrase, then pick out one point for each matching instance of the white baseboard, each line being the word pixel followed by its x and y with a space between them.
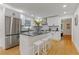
pixel 76 46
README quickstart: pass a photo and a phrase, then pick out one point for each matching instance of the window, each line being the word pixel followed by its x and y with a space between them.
pixel 27 23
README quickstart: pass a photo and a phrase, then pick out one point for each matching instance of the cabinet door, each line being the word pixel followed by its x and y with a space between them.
pixel 15 31
pixel 7 25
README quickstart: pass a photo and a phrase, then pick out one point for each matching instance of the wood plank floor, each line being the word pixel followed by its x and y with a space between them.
pixel 62 47
pixel 11 51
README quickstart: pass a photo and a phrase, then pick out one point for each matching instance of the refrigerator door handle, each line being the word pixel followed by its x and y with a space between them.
pixel 11 30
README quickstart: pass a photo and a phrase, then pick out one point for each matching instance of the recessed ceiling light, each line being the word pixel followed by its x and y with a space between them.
pixel 64 6
pixel 65 12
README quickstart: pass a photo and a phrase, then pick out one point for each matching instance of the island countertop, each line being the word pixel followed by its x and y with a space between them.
pixel 32 33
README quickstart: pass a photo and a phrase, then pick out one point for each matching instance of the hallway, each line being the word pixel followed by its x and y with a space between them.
pixel 63 47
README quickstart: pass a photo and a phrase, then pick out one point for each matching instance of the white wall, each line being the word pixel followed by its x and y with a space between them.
pixel 2 27
pixel 75 30
pixel 9 12
pixel 55 21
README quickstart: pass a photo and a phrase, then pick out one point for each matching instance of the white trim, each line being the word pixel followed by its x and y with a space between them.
pixel 76 46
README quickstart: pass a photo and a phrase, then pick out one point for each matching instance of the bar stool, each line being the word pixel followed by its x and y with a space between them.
pixel 47 44
pixel 38 47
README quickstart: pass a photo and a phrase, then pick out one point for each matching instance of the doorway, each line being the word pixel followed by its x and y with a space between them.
pixel 66 27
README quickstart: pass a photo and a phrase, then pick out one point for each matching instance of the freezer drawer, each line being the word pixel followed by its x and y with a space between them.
pixel 7 42
pixel 15 40
pixel 11 41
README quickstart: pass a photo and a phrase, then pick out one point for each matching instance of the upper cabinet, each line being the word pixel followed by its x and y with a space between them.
pixel 26 21
pixel 53 21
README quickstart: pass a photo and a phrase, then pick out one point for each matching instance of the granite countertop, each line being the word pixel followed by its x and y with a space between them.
pixel 32 33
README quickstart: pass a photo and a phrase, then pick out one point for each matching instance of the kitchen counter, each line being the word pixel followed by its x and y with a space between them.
pixel 27 41
pixel 32 33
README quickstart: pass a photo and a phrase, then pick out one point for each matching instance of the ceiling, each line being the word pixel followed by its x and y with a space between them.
pixel 45 9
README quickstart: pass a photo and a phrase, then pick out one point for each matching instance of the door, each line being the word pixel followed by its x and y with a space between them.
pixel 15 31
pixel 13 28
pixel 7 25
pixel 66 26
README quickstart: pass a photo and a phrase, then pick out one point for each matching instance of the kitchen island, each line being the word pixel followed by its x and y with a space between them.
pixel 27 39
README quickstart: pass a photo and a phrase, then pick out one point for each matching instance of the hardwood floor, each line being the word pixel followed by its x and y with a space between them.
pixel 11 51
pixel 62 47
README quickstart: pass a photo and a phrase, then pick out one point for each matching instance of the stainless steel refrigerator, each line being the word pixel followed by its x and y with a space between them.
pixel 12 31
